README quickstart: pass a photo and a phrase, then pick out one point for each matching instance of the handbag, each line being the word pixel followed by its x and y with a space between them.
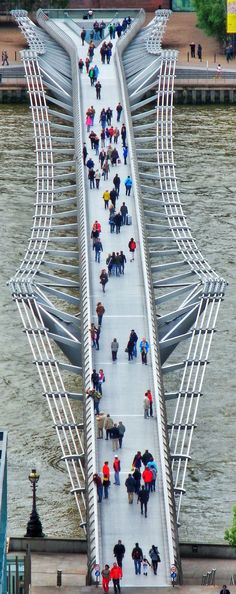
pixel 126 350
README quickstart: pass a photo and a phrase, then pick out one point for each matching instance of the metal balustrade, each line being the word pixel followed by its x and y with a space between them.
pixel 169 507
pixel 180 272
pixel 42 320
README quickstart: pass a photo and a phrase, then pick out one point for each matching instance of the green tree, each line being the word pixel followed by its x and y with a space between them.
pixel 230 534
pixel 211 15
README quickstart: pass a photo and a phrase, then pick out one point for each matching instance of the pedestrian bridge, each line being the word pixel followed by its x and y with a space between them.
pixel 57 287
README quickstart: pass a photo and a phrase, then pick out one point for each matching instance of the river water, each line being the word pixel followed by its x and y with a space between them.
pixel 205 157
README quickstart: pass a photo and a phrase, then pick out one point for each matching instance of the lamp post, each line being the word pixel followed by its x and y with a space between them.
pixel 34 526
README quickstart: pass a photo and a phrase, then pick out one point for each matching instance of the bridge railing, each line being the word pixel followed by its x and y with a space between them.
pixel 202 293
pixel 26 286
pixel 89 422
pixel 151 314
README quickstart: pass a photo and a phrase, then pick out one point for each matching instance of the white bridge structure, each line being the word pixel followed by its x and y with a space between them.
pixel 169 294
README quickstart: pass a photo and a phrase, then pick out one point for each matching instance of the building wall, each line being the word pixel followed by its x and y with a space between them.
pixel 148 5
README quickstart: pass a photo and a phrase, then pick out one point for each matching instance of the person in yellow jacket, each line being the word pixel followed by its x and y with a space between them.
pixel 106 198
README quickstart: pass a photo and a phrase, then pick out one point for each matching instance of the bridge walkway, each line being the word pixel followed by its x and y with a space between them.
pixel 126 382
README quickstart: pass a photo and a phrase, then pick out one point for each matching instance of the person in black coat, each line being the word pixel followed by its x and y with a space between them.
pixel 224 590
pixel 130 486
pixel 143 497
pixel 119 552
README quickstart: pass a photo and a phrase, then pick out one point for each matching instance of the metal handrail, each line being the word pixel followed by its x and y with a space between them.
pixel 25 290
pixel 151 315
pixel 91 493
pixel 212 290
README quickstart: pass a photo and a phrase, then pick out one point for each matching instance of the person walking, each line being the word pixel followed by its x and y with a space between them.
pixel 129 350
pixel 108 424
pixel 101 379
pixel 114 435
pixel 116 468
pixel 146 457
pixel 100 420
pixel 137 556
pixel 125 154
pixel 116 576
pixel 81 65
pixel 97 246
pixel 155 558
pixel 134 339
pixel 144 348
pixel 106 578
pixel 100 310
pixel 98 87
pixel 118 223
pixel 192 46
pixel 145 565
pixel 116 182
pixel 219 71
pixel 94 394
pixel 119 552
pixel 137 478
pixel 98 482
pixel 103 279
pixel 114 349
pixel 113 196
pixel 143 497
pixel 109 116
pixel 106 478
pixel 123 133
pixel 87 62
pixel 146 407
pixel 119 109
pixel 85 153
pixel 128 185
pixel 130 486
pixel 95 379
pixel 105 169
pixel 91 177
pixel 147 478
pixel 97 340
pixel 106 198
pixel 137 461
pixel 83 35
pixel 199 52
pixel 132 248
pixel 121 428
pixel 122 262
pixel 90 162
pixel 224 590
pixel 150 398
pixel 97 178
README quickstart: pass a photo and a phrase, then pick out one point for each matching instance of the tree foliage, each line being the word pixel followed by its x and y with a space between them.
pixel 211 15
pixel 230 534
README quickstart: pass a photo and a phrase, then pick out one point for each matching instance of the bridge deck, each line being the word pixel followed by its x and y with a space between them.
pixel 126 382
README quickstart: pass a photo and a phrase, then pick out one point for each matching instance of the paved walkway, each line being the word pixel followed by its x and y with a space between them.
pixel 126 382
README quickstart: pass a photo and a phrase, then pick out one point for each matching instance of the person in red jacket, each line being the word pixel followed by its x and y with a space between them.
pixel 150 398
pixel 106 478
pixel 132 248
pixel 148 478
pixel 106 578
pixel 115 576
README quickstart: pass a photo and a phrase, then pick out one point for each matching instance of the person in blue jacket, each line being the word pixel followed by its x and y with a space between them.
pixel 125 154
pixel 144 348
pixel 128 185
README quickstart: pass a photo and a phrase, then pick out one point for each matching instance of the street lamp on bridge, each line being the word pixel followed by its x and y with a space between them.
pixel 34 526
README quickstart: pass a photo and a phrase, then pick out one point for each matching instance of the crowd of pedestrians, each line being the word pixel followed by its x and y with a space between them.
pixel 141 564
pixel 103 152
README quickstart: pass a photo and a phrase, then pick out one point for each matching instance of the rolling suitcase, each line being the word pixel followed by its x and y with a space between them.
pixel 128 219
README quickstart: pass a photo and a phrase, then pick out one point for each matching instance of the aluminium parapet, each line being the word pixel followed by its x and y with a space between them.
pixel 89 423
pixel 157 379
